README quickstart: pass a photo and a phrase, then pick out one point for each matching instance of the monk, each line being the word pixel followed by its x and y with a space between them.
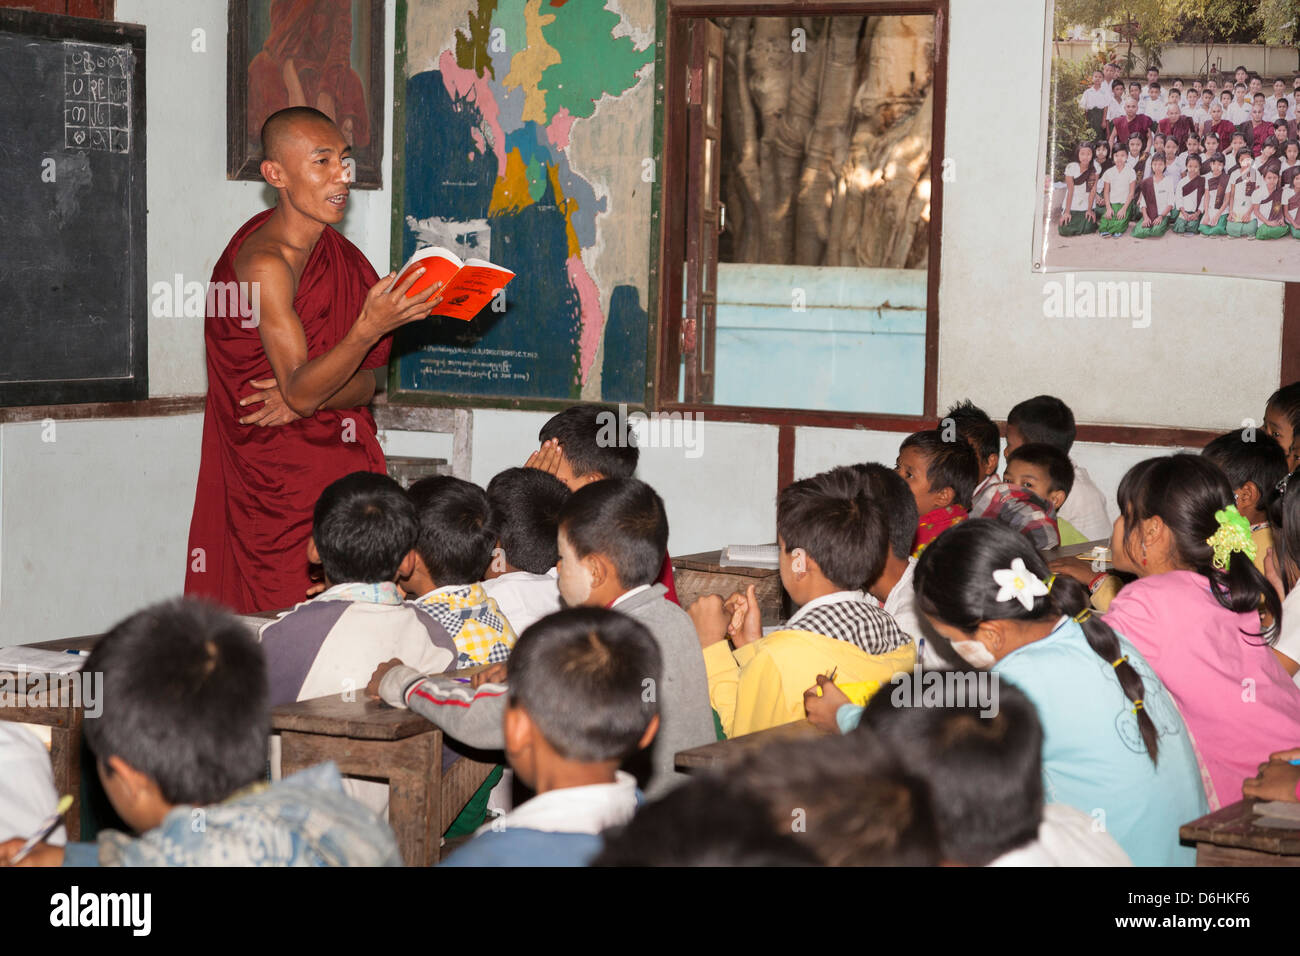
pixel 290 372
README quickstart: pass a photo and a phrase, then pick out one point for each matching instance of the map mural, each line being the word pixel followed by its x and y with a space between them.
pixel 528 142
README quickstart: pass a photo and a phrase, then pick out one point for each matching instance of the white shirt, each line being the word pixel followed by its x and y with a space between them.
pixel 1094 98
pixel 1166 191
pixel 1079 197
pixel 627 594
pixel 1187 202
pixel 1237 113
pixel 1120 180
pixel 1115 109
pixel 1270 108
pixel 1067 837
pixel 1199 117
pixel 27 794
pixel 1288 642
pixel 1245 193
pixel 525 598
pixel 1085 508
pixel 590 809
pixel 1156 109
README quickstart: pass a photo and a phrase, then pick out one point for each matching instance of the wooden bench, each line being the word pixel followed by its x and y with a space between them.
pixel 367 738
pixel 1231 837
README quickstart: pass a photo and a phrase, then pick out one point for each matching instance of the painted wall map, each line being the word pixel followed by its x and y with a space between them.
pixel 528 132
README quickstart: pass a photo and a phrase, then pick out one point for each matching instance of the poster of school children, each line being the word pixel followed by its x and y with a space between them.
pixel 1169 142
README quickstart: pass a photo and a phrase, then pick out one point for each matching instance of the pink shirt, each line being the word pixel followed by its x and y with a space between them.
pixel 1238 702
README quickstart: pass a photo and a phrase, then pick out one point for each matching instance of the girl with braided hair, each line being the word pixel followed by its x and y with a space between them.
pixel 1194 613
pixel 1114 744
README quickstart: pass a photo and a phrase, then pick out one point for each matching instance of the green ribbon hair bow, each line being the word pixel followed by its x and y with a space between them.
pixel 1233 535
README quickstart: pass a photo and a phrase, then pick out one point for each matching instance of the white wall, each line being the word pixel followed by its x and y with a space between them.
pixel 1213 350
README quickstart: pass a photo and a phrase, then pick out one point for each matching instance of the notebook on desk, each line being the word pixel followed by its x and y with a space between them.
pixel 750 556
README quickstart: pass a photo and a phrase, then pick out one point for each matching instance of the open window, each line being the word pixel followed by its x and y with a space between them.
pixel 799 210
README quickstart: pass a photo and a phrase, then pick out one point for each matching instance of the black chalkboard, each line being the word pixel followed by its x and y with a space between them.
pixel 73 306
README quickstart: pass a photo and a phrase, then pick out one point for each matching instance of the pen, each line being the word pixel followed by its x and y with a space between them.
pixel 79 653
pixel 1294 761
pixel 46 828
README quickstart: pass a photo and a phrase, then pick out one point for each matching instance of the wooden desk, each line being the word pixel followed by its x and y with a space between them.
pixel 715 754
pixel 1070 550
pixel 369 739
pixel 1229 837
pixel 698 574
pixel 64 721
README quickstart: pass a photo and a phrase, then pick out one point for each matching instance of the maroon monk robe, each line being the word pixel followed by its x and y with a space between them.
pixel 1178 130
pixel 258 485
pixel 1124 130
pixel 1258 133
pixel 1222 129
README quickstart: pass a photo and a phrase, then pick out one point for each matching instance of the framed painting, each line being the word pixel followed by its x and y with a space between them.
pixel 326 54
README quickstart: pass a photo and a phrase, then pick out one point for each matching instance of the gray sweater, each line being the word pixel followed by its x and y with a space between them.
pixel 685 714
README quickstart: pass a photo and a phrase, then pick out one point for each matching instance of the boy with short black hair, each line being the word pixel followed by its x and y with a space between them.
pixel 576 709
pixel 451 554
pixel 586 443
pixel 182 737
pixel 1045 471
pixel 942 475
pixel 985 777
pixel 704 823
pixel 860 807
pixel 832 538
pixel 611 534
pixel 1254 465
pixel 993 497
pixel 363 530
pixel 525 506
pixel 1046 418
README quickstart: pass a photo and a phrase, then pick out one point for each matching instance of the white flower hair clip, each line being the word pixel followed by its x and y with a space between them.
pixel 1020 583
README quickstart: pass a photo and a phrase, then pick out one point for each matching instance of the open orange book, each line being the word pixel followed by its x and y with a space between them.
pixel 466 286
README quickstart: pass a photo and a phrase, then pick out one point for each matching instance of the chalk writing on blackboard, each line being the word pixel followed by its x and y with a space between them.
pixel 97 97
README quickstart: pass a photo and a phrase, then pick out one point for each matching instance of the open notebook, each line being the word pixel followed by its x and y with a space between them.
pixel 750 556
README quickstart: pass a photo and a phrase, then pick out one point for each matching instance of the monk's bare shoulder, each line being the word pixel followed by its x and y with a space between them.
pixel 264 258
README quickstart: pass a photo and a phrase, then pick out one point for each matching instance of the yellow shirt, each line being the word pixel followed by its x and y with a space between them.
pixel 761 685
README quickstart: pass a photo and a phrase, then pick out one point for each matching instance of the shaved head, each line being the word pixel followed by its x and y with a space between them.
pixel 279 127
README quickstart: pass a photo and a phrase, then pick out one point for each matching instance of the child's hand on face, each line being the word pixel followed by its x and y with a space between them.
pixel 40 855
pixel 710 618
pixel 372 688
pixel 823 701
pixel 1277 779
pixel 547 458
pixel 746 624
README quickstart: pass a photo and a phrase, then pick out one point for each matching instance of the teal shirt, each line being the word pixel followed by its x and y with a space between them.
pixel 1093 755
